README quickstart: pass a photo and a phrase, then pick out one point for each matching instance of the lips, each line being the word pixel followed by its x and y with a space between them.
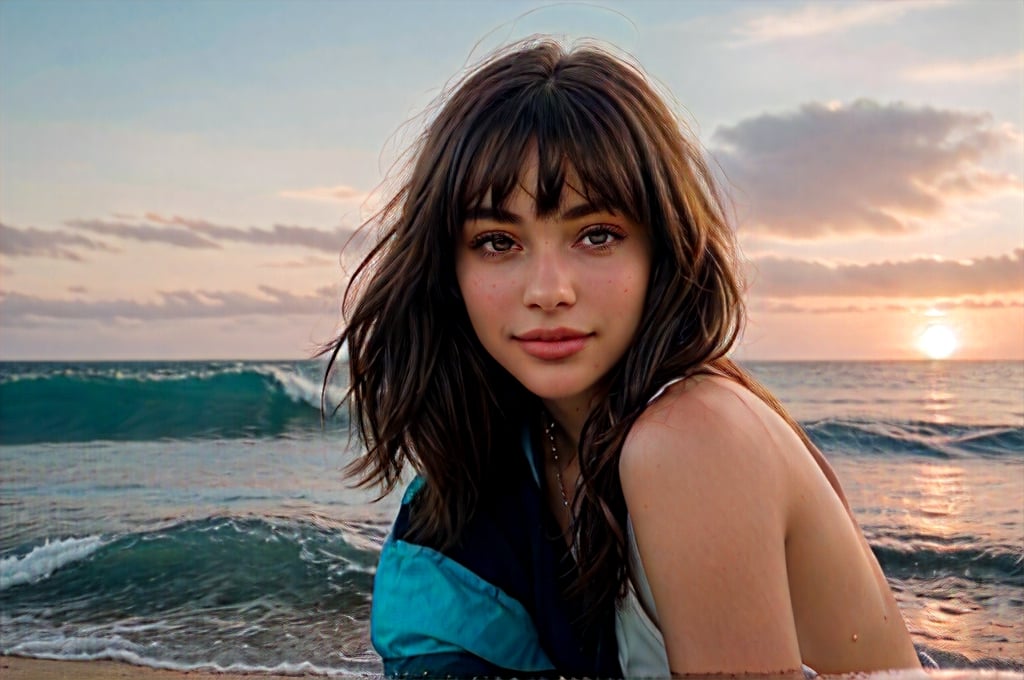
pixel 552 344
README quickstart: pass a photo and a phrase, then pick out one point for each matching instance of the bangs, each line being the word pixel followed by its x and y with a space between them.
pixel 575 134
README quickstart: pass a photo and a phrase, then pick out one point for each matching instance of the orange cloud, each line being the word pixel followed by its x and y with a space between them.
pixel 776 307
pixel 776 277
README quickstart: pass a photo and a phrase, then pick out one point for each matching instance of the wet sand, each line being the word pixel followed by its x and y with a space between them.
pixel 21 668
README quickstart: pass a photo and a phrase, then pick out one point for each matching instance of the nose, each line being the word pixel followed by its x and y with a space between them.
pixel 551 283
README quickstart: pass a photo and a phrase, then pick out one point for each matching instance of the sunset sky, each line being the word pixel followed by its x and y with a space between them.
pixel 177 178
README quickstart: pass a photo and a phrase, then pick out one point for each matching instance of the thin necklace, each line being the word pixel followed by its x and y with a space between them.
pixel 549 430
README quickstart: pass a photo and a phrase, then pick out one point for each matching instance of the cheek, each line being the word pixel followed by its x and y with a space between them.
pixel 617 288
pixel 479 291
pixel 482 297
pixel 483 283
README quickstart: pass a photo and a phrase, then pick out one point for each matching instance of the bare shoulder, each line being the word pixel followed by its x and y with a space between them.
pixel 743 538
pixel 708 428
pixel 710 453
pixel 706 490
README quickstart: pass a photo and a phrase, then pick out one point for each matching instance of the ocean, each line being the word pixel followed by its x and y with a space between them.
pixel 194 515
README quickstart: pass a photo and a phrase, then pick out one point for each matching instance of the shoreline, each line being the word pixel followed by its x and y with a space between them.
pixel 28 668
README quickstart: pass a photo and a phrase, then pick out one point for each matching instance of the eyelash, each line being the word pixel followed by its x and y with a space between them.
pixel 488 238
pixel 614 235
pixel 481 241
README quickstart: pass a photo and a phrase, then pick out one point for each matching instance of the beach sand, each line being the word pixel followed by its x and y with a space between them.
pixel 21 668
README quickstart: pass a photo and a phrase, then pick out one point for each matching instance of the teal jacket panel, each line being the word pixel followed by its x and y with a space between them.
pixel 428 605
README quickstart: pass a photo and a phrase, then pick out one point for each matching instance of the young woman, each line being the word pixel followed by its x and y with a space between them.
pixel 542 333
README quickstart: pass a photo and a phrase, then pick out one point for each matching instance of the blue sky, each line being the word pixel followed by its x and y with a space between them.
pixel 177 178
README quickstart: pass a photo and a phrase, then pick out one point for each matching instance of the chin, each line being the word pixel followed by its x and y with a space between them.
pixel 558 390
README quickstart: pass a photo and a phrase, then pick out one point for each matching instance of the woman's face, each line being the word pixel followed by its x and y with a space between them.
pixel 556 301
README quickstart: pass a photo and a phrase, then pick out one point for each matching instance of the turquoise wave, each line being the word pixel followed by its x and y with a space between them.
pixel 225 561
pixel 222 592
pixel 117 403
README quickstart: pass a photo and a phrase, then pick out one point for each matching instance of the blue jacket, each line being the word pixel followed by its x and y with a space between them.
pixel 493 605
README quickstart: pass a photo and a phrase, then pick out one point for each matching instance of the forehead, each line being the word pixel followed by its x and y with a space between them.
pixel 530 183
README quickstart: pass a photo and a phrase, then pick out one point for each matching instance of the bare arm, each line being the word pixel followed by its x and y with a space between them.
pixel 708 502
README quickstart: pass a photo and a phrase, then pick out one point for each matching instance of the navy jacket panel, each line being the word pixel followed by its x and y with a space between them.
pixel 513 545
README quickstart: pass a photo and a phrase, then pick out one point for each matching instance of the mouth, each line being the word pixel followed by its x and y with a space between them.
pixel 552 344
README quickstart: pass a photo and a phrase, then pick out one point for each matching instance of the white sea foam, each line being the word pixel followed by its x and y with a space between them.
pixel 301 388
pixel 92 648
pixel 63 648
pixel 43 560
pixel 298 387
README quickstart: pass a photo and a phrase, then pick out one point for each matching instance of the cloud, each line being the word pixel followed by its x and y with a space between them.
pixel 144 232
pixel 861 168
pixel 993 68
pixel 978 304
pixel 337 194
pixel 821 19
pixel 186 232
pixel 775 307
pixel 177 305
pixel 776 277
pixel 32 242
pixel 308 261
pixel 972 303
pixel 279 234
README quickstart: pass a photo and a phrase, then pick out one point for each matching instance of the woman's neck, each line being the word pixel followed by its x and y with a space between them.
pixel 570 414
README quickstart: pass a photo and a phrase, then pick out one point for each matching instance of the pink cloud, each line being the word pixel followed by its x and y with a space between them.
pixel 32 242
pixel 992 68
pixel 861 168
pixel 176 304
pixel 776 277
pixel 336 193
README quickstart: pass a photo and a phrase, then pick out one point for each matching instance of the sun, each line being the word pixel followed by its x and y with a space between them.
pixel 938 341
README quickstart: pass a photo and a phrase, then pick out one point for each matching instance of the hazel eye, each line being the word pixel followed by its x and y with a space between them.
pixel 499 243
pixel 494 243
pixel 600 237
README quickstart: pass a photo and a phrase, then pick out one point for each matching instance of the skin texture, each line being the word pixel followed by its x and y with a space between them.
pixel 520 273
pixel 753 561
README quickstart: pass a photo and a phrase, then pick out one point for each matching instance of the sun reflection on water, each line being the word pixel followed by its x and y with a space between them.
pixel 943 505
pixel 942 500
pixel 938 404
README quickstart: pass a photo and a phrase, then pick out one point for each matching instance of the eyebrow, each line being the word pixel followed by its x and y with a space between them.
pixel 492 215
pixel 503 216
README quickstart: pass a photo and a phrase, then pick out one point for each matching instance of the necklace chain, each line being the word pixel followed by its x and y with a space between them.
pixel 549 430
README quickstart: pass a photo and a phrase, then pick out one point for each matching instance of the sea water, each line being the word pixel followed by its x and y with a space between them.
pixel 195 515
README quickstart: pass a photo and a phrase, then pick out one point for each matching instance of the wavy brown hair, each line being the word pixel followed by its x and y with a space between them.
pixel 424 392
